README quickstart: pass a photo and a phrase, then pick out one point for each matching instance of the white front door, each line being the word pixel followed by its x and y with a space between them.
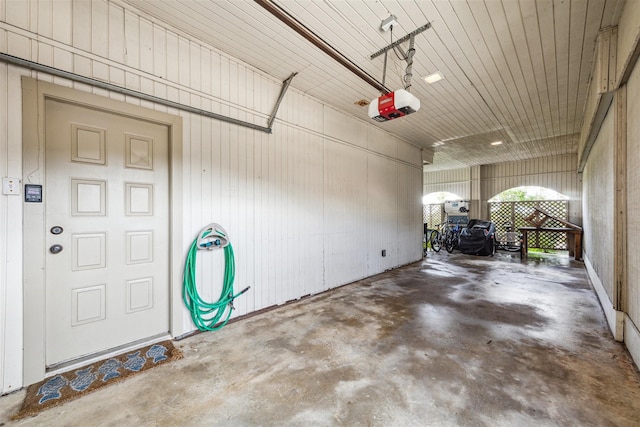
pixel 107 230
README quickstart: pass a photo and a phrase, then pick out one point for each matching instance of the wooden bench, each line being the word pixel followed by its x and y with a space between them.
pixel 577 238
pixel 538 218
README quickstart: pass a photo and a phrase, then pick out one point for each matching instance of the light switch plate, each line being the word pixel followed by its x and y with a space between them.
pixel 11 186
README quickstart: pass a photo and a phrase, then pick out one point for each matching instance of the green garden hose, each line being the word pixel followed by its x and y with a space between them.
pixel 210 316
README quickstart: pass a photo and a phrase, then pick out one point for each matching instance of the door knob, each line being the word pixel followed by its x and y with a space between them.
pixel 55 249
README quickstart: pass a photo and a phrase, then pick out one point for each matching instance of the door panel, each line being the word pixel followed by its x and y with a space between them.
pixel 107 186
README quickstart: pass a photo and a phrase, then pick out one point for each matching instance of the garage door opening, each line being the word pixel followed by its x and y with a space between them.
pixel 528 193
pixel 433 207
pixel 515 205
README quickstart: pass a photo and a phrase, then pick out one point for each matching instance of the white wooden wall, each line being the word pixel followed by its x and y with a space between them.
pixel 633 198
pixel 307 208
pixel 598 200
pixel 556 172
pixel 456 181
pixel 605 255
pixel 11 304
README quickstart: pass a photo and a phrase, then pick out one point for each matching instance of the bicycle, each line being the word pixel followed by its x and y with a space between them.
pixel 430 239
pixel 436 237
pixel 512 241
pixel 426 236
pixel 452 238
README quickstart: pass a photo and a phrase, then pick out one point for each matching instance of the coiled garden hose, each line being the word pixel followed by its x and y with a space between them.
pixel 209 316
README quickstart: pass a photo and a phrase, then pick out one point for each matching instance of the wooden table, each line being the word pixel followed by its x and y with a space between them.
pixel 577 233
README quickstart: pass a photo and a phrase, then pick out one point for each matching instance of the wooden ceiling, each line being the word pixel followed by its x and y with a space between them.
pixel 514 71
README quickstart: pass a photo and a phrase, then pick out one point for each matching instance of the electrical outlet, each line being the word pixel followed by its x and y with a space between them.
pixel 11 186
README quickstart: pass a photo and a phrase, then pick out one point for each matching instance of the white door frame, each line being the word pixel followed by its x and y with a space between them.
pixel 34 94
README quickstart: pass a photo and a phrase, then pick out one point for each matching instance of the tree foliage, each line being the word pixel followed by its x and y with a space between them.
pixel 522 194
pixel 515 195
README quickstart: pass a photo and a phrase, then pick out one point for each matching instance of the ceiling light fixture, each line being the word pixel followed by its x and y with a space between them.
pixel 435 77
pixel 496 143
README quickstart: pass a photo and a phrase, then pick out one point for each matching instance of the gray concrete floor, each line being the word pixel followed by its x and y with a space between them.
pixel 454 340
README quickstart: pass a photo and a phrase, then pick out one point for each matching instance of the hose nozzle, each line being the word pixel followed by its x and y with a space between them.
pixel 232 297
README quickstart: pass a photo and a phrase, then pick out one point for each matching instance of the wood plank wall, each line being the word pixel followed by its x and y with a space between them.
pixel 556 172
pixel 308 208
pixel 598 177
pixel 610 190
pixel 633 198
pixel 456 181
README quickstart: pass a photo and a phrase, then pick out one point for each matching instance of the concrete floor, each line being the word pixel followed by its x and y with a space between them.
pixel 454 340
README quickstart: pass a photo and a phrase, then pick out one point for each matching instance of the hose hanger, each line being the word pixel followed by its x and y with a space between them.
pixel 213 236
pixel 210 316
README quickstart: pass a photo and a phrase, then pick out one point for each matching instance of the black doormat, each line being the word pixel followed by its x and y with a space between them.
pixel 73 384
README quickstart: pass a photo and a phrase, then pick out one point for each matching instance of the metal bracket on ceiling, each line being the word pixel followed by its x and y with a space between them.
pixel 402 40
pixel 407 57
pixel 285 86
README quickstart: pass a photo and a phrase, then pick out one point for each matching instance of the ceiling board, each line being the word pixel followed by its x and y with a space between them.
pixel 514 70
pixel 531 33
pixel 544 10
pixel 466 57
pixel 576 37
pixel 611 13
pixel 487 72
pixel 562 38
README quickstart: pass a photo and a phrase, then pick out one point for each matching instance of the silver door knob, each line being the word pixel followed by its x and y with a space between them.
pixel 55 249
